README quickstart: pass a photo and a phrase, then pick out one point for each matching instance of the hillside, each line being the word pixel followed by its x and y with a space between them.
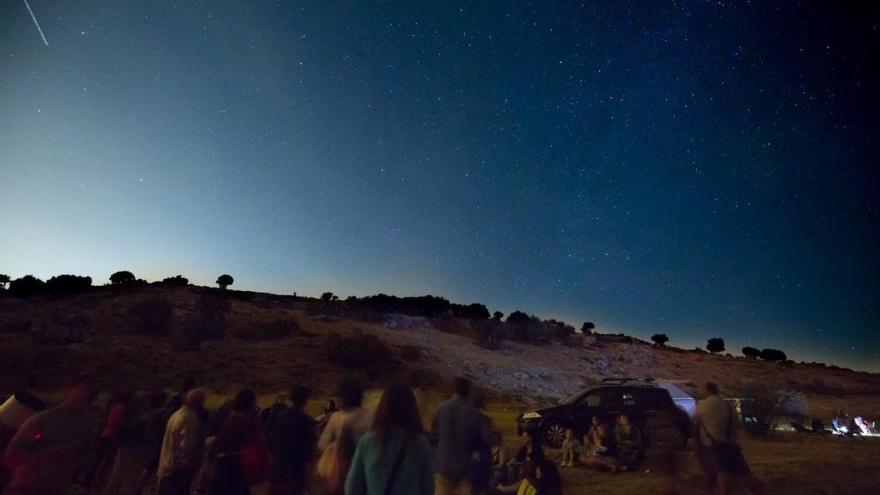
pixel 271 341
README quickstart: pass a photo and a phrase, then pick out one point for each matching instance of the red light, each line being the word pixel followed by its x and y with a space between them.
pixel 38 436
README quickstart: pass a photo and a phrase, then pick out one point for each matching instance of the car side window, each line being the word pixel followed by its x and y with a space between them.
pixel 593 400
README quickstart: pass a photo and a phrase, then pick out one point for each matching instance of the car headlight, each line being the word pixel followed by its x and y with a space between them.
pixel 531 415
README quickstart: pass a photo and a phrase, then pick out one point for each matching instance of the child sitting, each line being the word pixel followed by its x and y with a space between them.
pixel 570 447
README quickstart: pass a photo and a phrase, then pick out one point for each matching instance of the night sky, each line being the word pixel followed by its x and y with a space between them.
pixel 696 168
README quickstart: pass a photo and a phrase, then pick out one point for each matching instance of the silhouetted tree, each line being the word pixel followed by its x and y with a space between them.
pixel 715 345
pixel 587 328
pixel 518 317
pixel 773 355
pixel 27 286
pixel 498 315
pixel 751 352
pixel 329 296
pixel 4 279
pixel 473 311
pixel 660 339
pixel 68 284
pixel 224 281
pixel 122 277
pixel 176 281
pixel 519 325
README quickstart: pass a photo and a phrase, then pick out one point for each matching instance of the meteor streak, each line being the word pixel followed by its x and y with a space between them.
pixel 45 41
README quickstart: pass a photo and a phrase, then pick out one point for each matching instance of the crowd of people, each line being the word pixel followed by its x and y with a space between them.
pixel 145 442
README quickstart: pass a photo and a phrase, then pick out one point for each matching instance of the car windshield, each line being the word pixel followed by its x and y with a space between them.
pixel 571 398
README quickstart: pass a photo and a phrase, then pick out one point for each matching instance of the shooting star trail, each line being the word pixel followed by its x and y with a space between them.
pixel 45 41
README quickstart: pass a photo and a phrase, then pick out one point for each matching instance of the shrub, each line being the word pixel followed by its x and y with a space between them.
pixel 68 284
pixel 660 339
pixel 751 352
pixel 491 333
pixel 61 329
pixel 773 355
pixel 27 286
pixel 715 345
pixel 410 352
pixel 268 330
pixel 175 281
pixel 758 409
pixel 152 316
pixel 360 351
pixel 792 403
pixel 212 311
pixel 588 327
pixel 122 277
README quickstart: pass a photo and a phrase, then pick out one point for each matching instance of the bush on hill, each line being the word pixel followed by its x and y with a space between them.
pixel 268 330
pixel 175 281
pixel 660 339
pixel 122 277
pixel 715 345
pixel 773 355
pixel 152 316
pixel 751 352
pixel 27 286
pixel 359 351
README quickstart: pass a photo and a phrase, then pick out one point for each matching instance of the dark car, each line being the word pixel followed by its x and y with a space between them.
pixel 608 400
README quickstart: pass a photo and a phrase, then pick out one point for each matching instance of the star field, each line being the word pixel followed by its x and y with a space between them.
pixel 702 169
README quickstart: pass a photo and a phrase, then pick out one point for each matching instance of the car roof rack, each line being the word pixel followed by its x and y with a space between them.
pixel 626 379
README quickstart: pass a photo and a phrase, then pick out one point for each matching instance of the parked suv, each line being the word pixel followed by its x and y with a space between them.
pixel 608 400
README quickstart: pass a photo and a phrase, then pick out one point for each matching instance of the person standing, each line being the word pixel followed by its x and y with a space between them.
pixel 718 449
pixel 340 437
pixel 182 446
pixel 48 447
pixel 394 457
pixel 457 427
pixel 291 439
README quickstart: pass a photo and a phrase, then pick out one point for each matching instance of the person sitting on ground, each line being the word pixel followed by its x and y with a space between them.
pixel 598 450
pixel 541 478
pixel 499 459
pixel 339 438
pixel 570 446
pixel 45 452
pixel 628 443
pixel 457 427
pixel 529 453
pixel 182 446
pixel 394 457
pixel 291 440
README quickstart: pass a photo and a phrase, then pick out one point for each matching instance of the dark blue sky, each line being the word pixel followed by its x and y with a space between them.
pixel 697 168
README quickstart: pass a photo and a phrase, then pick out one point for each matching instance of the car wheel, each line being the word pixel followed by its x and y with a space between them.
pixel 554 433
pixel 666 437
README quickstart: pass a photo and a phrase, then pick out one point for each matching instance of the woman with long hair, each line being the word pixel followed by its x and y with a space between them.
pixel 395 456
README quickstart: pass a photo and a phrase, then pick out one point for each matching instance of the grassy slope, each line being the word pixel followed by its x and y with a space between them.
pixel 790 463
